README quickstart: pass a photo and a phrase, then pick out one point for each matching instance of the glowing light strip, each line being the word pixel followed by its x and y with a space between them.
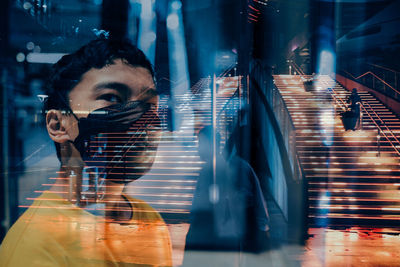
pixel 109 209
pixel 165 202
pixel 139 180
pixel 353 216
pixel 350 183
pixel 344 198
pixel 353 191
pixel 176 187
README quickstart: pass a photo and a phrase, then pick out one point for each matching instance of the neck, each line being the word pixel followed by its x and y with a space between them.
pixel 69 181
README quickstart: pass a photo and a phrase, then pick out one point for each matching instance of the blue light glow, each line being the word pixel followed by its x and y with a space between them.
pixel 326 62
pixel 172 21
pixel 178 65
pixel 176 5
pixel 147 29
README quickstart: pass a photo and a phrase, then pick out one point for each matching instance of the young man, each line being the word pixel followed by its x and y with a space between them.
pixel 101 112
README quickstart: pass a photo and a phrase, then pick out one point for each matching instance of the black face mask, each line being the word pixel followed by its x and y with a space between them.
pixel 118 142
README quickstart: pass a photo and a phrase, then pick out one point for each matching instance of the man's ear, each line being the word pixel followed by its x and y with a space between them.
pixel 58 126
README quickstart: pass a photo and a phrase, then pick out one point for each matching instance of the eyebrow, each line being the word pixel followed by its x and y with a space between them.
pixel 126 90
pixel 122 88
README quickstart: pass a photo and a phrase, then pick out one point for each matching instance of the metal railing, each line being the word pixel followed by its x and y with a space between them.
pixel 297 68
pixel 288 130
pixel 279 126
pixel 390 76
pixel 378 83
pixel 380 124
pixel 286 125
pixel 227 116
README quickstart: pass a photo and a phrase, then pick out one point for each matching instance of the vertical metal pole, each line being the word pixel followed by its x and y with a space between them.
pixel 248 90
pixel 71 184
pixel 4 55
pixel 378 137
pixel 214 123
pixel 5 148
pixel 213 190
pixel 240 95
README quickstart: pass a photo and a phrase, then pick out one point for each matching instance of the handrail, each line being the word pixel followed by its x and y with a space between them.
pixel 224 109
pixel 298 69
pixel 219 77
pixel 257 63
pixel 266 106
pixel 265 101
pixel 387 129
pixel 227 70
pixel 235 94
pixel 382 67
pixel 334 96
pixel 373 120
pixel 290 175
pixel 296 162
pixel 293 172
pixel 374 75
pixel 287 110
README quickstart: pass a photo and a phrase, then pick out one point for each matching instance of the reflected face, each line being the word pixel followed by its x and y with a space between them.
pixel 117 84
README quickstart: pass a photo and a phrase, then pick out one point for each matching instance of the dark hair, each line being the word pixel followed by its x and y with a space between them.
pixel 68 71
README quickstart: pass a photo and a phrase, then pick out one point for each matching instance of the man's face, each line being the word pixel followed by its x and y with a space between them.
pixel 114 84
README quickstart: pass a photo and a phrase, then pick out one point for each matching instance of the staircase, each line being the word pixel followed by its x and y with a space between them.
pixel 353 177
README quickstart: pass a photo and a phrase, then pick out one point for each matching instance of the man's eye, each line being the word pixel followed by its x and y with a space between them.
pixel 111 98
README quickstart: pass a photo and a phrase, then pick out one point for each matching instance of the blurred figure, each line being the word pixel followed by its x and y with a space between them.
pixel 354 106
pixel 228 211
pixel 354 100
pixel 101 113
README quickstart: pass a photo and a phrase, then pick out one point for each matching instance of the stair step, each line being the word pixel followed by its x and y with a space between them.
pixel 348 180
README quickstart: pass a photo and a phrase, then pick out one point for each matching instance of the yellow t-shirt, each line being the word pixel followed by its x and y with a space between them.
pixel 54 232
